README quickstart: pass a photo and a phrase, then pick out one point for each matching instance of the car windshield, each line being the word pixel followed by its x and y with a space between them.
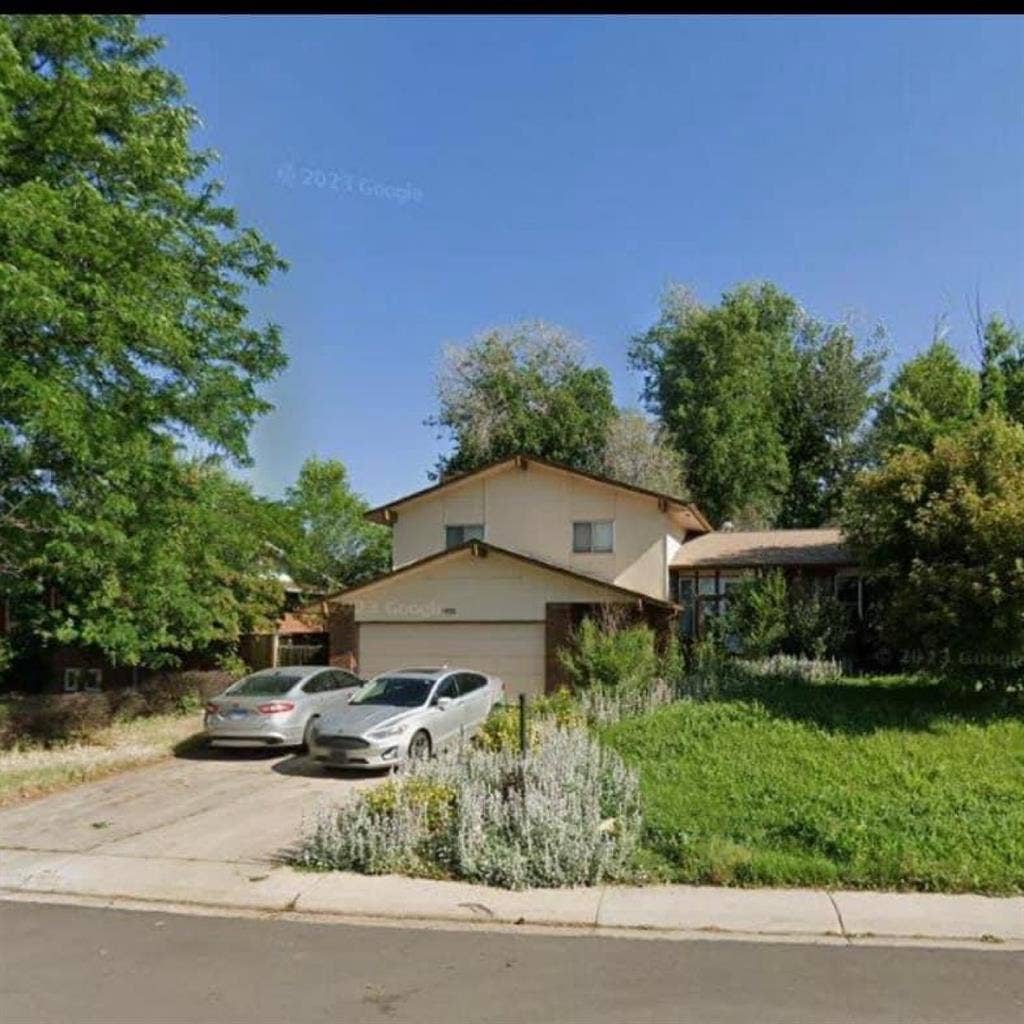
pixel 269 684
pixel 400 691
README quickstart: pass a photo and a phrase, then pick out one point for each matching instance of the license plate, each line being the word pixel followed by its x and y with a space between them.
pixel 236 715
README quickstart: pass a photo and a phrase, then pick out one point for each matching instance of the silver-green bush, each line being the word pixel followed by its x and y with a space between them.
pixel 568 814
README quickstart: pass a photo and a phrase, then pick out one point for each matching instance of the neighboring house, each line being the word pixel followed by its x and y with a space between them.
pixel 706 568
pixel 494 568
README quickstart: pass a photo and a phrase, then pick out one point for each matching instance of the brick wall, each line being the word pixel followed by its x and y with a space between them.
pixel 343 634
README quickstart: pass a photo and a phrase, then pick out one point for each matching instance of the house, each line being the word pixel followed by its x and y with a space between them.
pixel 495 567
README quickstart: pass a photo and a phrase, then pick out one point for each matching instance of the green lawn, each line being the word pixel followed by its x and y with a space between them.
pixel 881 785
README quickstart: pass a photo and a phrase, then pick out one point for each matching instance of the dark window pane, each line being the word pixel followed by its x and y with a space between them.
pixel 581 536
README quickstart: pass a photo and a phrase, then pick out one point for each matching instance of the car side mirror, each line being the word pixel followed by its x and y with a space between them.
pixel 443 703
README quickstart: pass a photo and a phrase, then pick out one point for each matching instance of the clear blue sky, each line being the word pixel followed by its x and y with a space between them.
pixel 571 168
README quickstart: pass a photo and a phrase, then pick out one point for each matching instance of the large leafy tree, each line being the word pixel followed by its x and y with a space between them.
pixel 712 374
pixel 637 452
pixel 942 530
pixel 123 318
pixel 765 404
pixel 823 426
pixel 931 396
pixel 522 389
pixel 334 546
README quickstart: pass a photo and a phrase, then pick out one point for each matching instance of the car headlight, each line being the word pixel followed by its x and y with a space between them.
pixel 386 732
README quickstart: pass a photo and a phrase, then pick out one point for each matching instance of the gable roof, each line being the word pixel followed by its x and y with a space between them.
pixel 482 547
pixel 752 548
pixel 380 514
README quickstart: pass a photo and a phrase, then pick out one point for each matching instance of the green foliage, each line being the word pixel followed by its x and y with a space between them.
pixel 942 530
pixel 1002 373
pixel 869 784
pixel 758 615
pixel 638 452
pixel 124 331
pixel 522 390
pixel 606 652
pixel 818 623
pixel 764 404
pixel 334 544
pixel 172 561
pixel 823 424
pixel 501 729
pixel 932 395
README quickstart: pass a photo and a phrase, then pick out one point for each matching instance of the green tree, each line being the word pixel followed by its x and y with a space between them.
pixel 124 331
pixel 637 452
pixel 335 545
pixel 522 390
pixel 1002 370
pixel 765 404
pixel 175 562
pixel 942 530
pixel 123 319
pixel 824 418
pixel 713 375
pixel 758 614
pixel 932 395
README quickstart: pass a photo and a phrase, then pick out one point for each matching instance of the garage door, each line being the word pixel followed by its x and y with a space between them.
pixel 512 650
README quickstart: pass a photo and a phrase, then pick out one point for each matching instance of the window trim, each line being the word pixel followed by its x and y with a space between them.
pixel 592 550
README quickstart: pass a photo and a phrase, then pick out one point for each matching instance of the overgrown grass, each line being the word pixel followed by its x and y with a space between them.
pixel 35 770
pixel 882 784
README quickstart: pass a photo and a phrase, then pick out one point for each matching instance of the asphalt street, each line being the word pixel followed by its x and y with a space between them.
pixel 70 964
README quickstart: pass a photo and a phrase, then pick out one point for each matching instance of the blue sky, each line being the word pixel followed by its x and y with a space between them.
pixel 568 169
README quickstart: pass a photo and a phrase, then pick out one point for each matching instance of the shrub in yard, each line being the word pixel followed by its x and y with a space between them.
pixel 501 729
pixel 57 718
pixel 758 616
pixel 818 623
pixel 608 652
pixel 567 814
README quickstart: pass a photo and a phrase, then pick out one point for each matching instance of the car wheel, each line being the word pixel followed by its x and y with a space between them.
pixel 307 733
pixel 419 746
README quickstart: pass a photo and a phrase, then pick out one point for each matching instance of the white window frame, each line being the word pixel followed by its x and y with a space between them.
pixel 592 550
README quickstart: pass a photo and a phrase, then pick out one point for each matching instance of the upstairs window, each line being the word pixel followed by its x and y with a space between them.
pixel 459 534
pixel 593 537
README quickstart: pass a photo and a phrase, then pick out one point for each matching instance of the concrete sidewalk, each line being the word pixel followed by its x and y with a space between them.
pixel 682 911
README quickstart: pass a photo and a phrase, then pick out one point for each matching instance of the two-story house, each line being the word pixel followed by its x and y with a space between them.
pixel 494 568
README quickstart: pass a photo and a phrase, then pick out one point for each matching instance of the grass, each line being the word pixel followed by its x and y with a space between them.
pixel 887 784
pixel 33 771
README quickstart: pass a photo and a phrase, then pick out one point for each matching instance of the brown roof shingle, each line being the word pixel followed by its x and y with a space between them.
pixel 744 548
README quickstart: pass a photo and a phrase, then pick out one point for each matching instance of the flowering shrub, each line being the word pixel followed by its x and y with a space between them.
pixel 567 814
pixel 787 666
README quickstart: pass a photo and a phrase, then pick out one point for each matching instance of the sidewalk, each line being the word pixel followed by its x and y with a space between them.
pixel 667 911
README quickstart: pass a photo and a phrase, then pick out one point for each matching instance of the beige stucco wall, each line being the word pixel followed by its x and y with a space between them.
pixel 466 588
pixel 532 511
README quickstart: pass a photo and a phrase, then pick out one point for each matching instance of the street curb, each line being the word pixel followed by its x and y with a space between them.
pixel 692 912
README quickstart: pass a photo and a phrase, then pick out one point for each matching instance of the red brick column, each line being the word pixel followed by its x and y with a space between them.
pixel 343 636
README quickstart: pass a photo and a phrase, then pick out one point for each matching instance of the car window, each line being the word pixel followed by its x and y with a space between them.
pixel 269 684
pixel 469 682
pixel 395 691
pixel 343 679
pixel 320 683
pixel 449 688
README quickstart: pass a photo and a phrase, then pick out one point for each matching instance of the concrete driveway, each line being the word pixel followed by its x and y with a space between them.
pixel 235 806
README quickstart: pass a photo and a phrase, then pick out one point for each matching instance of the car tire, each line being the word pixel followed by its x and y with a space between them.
pixel 307 732
pixel 420 746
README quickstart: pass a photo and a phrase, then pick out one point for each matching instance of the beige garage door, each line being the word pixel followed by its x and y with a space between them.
pixel 512 650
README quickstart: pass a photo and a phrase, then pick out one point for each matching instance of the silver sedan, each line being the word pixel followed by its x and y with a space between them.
pixel 276 707
pixel 406 713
